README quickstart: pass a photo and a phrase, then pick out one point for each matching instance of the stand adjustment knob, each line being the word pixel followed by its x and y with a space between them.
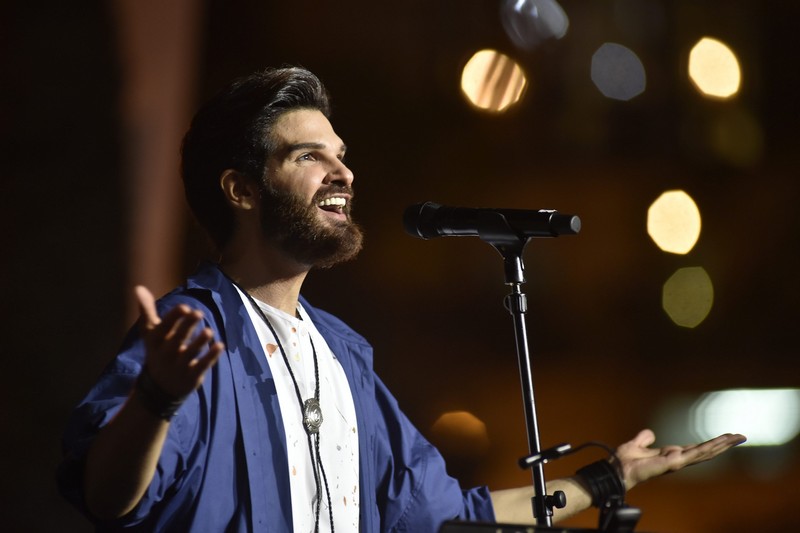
pixel 558 500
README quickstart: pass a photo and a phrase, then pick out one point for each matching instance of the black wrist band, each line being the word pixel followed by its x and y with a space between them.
pixel 603 481
pixel 155 399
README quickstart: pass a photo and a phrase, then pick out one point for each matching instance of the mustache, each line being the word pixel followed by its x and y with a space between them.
pixel 332 190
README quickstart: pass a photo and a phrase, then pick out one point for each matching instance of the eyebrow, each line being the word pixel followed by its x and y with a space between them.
pixel 288 149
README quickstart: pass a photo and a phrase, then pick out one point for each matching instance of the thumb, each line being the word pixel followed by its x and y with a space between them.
pixel 645 438
pixel 147 307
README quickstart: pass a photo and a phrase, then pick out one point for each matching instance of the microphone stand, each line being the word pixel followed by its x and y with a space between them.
pixel 509 236
pixel 496 232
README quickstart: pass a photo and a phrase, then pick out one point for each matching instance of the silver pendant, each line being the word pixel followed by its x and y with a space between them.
pixel 312 416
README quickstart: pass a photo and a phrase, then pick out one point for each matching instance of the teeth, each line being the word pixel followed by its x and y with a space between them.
pixel 338 202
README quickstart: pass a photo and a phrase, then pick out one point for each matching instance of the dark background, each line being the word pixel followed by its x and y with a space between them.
pixel 607 359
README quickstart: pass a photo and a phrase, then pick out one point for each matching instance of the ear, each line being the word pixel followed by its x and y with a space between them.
pixel 240 191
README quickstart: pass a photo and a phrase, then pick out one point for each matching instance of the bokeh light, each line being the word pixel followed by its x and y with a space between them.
pixel 460 433
pixel 674 222
pixel 687 296
pixel 714 69
pixel 617 72
pixel 492 81
pixel 529 22
pixel 768 417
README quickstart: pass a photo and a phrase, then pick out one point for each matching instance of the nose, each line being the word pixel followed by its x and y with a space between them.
pixel 340 174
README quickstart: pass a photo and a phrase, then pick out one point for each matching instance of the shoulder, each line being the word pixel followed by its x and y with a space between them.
pixel 195 297
pixel 207 290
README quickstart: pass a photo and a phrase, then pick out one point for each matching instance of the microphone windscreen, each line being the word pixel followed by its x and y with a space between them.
pixel 418 218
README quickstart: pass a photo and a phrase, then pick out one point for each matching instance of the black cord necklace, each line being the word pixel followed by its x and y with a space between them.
pixel 312 413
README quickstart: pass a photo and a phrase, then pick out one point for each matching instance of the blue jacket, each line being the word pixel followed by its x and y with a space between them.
pixel 223 466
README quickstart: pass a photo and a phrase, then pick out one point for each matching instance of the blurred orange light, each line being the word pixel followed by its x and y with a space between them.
pixel 460 433
pixel 492 81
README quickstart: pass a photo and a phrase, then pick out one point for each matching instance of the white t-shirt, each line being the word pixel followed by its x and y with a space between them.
pixel 338 435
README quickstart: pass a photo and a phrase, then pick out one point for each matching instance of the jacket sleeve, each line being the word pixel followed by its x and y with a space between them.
pixel 96 410
pixel 415 492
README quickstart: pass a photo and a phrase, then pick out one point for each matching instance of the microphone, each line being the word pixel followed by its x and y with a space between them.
pixel 428 220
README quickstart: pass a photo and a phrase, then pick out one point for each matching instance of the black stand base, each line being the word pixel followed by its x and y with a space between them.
pixel 491 527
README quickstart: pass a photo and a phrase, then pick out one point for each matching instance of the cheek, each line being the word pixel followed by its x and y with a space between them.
pixel 311 191
pixel 301 183
pixel 309 188
pixel 293 183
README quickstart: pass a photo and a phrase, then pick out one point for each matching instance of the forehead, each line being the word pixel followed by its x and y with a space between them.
pixel 304 126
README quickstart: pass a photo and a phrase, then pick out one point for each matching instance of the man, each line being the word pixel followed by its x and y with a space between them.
pixel 237 406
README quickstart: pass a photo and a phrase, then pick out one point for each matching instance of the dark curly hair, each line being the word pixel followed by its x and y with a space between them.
pixel 233 131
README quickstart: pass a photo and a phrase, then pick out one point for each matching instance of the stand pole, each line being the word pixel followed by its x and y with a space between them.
pixel 517 304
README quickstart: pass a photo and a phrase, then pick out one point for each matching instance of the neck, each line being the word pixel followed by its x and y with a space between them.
pixel 266 273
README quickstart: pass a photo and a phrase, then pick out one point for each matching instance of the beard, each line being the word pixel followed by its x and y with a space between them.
pixel 295 227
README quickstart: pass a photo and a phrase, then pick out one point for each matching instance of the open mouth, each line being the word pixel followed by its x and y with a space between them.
pixel 334 204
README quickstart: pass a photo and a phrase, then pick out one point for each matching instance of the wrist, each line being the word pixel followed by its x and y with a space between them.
pixel 155 399
pixel 603 482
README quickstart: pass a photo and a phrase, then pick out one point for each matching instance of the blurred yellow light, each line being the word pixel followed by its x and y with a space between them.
pixel 492 81
pixel 460 433
pixel 714 69
pixel 768 417
pixel 673 222
pixel 688 296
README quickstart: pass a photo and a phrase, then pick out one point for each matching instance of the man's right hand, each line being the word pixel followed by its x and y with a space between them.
pixel 177 356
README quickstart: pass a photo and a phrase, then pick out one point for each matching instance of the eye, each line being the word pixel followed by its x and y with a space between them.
pixel 308 156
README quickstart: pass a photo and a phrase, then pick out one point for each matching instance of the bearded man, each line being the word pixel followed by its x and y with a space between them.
pixel 237 406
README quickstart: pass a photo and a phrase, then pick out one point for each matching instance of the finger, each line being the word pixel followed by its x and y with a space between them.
pixel 170 322
pixel 722 443
pixel 200 365
pixel 638 447
pixel 197 344
pixel 734 439
pixel 183 329
pixel 705 451
pixel 717 445
pixel 147 306
pixel 645 438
